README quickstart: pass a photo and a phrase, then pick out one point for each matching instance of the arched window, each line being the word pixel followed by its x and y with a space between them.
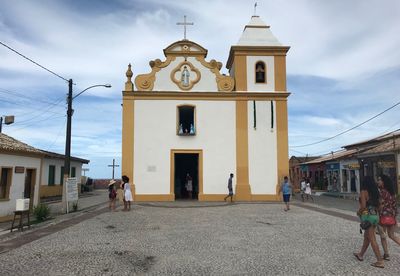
pixel 186 124
pixel 260 72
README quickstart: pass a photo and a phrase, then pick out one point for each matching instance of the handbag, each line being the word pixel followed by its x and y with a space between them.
pixel 387 220
pixel 364 225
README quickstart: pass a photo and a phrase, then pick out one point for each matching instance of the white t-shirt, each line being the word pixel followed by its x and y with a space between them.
pixel 308 189
pixel 303 185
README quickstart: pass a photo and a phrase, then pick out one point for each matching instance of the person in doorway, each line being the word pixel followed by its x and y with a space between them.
pixel 368 213
pixel 307 191
pixel 189 185
pixel 286 189
pixel 230 188
pixel 387 213
pixel 127 193
pixel 112 194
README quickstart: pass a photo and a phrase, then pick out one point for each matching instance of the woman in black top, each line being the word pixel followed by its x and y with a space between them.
pixel 369 205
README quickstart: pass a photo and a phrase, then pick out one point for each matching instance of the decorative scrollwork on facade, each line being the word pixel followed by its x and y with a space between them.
pixel 224 83
pixel 145 82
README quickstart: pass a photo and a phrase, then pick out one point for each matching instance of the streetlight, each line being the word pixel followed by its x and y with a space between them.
pixel 70 111
pixel 8 120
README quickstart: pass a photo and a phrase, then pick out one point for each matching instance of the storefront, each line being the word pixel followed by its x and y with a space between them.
pixel 379 164
pixel 333 175
pixel 350 176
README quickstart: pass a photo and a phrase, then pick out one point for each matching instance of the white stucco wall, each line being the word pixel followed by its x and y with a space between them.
pixel 18 180
pixel 263 170
pixel 155 136
pixel 269 86
pixel 58 163
pixel 163 80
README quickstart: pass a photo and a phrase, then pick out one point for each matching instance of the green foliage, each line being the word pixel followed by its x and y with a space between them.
pixel 41 212
pixel 75 206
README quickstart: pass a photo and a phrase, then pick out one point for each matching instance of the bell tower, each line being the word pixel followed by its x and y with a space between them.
pixel 258 65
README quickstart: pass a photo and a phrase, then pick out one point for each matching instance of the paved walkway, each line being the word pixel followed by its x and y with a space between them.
pixel 88 200
pixel 224 239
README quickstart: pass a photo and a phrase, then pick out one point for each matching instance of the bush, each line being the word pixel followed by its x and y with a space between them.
pixel 41 212
pixel 75 206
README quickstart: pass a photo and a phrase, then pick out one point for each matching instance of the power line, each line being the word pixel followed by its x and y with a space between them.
pixel 40 114
pixel 37 121
pixel 23 96
pixel 343 132
pixel 34 62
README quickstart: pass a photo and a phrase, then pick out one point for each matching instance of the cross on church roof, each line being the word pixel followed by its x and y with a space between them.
pixel 184 23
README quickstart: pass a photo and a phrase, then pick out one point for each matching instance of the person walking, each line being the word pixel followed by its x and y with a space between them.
pixel 112 194
pixel 387 213
pixel 127 193
pixel 302 188
pixel 286 189
pixel 368 213
pixel 308 191
pixel 230 188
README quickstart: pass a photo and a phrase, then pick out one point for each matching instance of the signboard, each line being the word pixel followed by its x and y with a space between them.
pixel 18 169
pixel 72 189
pixel 22 204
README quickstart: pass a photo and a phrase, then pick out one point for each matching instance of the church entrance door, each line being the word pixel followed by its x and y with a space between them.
pixel 186 175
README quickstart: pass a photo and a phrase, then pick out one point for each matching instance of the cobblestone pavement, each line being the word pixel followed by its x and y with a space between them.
pixel 234 239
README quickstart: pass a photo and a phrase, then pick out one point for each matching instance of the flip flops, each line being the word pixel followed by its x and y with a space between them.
pixel 378 265
pixel 358 257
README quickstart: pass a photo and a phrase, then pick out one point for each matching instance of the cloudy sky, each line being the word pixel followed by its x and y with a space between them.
pixel 343 66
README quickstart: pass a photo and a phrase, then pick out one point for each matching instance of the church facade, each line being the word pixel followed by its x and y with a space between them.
pixel 185 122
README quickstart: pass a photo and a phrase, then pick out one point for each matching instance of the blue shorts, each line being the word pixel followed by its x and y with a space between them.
pixel 286 198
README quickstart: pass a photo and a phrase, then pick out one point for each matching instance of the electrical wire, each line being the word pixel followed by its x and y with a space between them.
pixel 34 62
pixel 350 129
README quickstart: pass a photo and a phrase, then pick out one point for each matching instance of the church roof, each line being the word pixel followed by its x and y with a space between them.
pixel 257 33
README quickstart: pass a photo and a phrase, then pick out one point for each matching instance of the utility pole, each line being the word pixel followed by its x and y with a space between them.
pixel 67 160
pixel 113 166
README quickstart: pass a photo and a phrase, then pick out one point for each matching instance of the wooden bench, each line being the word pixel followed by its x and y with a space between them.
pixel 21 214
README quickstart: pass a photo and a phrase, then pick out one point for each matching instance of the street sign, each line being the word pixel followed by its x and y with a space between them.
pixel 72 189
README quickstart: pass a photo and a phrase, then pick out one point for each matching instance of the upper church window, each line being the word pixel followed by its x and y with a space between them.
pixel 186 120
pixel 260 72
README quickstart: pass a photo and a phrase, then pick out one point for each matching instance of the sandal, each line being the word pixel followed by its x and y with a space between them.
pixel 378 265
pixel 386 257
pixel 358 257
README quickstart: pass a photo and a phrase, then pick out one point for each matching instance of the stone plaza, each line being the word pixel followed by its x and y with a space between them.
pixel 185 238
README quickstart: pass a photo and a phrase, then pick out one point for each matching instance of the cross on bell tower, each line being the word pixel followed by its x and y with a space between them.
pixel 184 23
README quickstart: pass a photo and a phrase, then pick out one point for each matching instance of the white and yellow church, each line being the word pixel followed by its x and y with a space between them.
pixel 185 117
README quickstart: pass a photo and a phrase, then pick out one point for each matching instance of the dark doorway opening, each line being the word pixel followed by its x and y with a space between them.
pixel 29 185
pixel 186 163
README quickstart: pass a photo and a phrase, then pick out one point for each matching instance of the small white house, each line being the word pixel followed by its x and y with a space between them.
pixel 28 172
pixel 52 173
pixel 20 166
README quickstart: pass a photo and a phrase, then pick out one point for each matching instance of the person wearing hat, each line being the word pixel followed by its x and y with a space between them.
pixel 112 194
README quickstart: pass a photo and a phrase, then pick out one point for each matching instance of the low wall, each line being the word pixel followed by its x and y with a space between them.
pixel 47 191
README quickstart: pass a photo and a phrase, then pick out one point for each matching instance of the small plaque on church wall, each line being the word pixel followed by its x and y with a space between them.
pixel 151 168
pixel 19 169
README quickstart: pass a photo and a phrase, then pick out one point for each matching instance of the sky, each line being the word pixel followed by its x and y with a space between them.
pixel 343 66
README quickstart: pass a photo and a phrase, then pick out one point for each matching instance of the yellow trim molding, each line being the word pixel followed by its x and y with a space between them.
pixel 281 120
pixel 159 197
pixel 128 119
pixel 209 96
